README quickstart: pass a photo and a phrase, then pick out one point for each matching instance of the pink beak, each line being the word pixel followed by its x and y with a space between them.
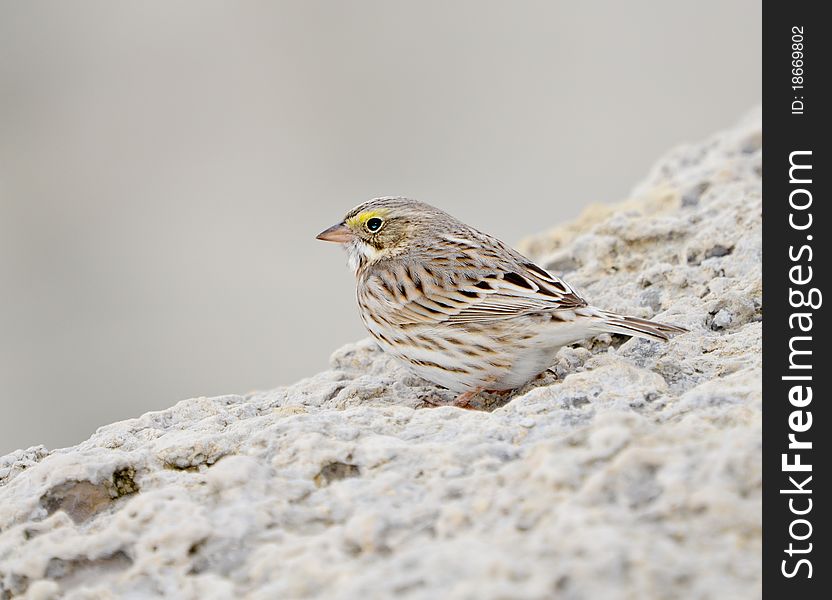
pixel 339 233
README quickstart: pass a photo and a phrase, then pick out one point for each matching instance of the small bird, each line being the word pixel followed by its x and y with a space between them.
pixel 459 307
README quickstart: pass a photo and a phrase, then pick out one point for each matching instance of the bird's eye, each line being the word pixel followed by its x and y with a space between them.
pixel 374 224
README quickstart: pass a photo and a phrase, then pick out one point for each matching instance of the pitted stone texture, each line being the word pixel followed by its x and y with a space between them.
pixel 632 470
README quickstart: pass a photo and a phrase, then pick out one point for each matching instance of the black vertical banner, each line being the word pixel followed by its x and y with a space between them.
pixel 797 433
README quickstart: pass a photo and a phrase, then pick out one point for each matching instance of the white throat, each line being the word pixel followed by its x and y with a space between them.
pixel 359 253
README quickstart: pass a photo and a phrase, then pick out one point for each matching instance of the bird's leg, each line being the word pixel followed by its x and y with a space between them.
pixel 464 399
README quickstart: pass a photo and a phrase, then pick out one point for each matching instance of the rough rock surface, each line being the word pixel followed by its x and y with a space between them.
pixel 635 473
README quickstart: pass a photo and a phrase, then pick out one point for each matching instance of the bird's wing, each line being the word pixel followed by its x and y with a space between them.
pixel 528 289
pixel 418 295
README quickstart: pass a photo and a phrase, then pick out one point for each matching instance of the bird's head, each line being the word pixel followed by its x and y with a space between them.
pixel 384 228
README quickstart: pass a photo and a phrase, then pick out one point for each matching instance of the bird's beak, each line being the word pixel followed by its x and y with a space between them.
pixel 339 233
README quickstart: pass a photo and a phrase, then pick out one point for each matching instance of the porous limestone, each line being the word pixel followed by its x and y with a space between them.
pixel 633 470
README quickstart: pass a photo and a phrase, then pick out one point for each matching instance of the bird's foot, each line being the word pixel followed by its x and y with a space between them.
pixel 464 399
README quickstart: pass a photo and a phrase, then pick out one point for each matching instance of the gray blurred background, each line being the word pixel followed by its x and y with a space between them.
pixel 165 166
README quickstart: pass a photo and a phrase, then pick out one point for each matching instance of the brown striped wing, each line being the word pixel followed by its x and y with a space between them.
pixel 411 293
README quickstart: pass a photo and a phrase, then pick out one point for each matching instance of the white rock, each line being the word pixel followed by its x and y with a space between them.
pixel 637 474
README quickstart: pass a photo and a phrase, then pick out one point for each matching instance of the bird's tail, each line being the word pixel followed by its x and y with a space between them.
pixel 613 323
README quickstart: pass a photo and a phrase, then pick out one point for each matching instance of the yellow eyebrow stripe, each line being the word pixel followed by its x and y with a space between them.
pixel 362 218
